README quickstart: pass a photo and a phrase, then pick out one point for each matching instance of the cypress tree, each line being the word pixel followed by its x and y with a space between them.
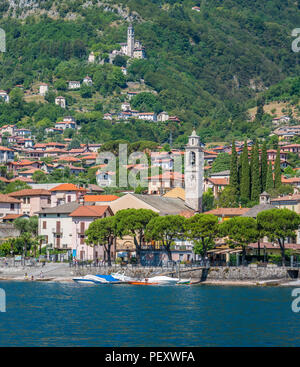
pixel 245 175
pixel 277 170
pixel 269 180
pixel 264 166
pixel 234 170
pixel 260 109
pixel 255 179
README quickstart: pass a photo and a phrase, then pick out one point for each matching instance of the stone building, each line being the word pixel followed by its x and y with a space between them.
pixel 60 101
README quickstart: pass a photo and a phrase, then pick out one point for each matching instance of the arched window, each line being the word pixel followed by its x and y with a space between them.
pixel 192 158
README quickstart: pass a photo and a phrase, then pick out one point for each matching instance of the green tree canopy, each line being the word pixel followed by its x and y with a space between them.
pixel 166 229
pixel 241 231
pixel 102 232
pixel 221 163
pixel 202 229
pixel 133 222
pixel 277 225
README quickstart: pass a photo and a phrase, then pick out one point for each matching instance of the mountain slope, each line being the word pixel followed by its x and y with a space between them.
pixel 204 65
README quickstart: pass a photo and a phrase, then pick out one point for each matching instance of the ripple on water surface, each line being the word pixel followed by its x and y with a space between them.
pixel 52 314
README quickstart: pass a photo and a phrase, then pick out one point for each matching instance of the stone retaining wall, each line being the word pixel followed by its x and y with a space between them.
pixel 201 274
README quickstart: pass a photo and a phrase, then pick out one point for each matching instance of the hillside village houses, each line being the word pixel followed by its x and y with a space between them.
pixel 4 96
pixel 87 81
pixel 66 124
pixel 43 90
pixel 168 192
pixel 74 84
pixel 92 58
pixel 60 101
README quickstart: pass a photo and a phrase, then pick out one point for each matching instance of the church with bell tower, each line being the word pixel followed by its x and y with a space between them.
pixel 193 173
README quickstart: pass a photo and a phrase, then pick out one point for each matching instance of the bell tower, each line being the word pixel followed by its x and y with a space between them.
pixel 130 41
pixel 193 173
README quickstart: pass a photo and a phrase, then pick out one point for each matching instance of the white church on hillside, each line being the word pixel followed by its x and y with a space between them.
pixel 133 48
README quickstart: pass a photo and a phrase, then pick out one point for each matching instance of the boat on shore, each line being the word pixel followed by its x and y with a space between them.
pixel 157 280
pixel 97 279
pixel 136 282
pixel 122 277
pixel 184 282
pixel 43 279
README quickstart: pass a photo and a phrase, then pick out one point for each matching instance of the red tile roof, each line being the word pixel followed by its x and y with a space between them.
pixel 228 211
pixel 102 198
pixel 287 198
pixel 290 180
pixel 8 199
pixel 67 187
pixel 219 181
pixel 30 192
pixel 89 211
pixel 23 179
pixel 13 216
pixel 5 149
pixel 69 159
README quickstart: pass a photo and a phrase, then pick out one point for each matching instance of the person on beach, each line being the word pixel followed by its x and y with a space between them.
pixel 41 275
pixel 26 276
pixel 32 277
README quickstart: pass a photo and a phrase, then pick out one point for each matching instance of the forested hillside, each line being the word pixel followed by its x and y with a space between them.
pixel 206 66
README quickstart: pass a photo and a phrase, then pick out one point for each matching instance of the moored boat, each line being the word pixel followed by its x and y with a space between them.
pixel 184 281
pixel 162 279
pixel 157 280
pixel 142 282
pixel 122 277
pixel 97 279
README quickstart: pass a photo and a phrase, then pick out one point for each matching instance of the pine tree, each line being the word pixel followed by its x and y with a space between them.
pixel 269 179
pixel 264 166
pixel 277 170
pixel 255 178
pixel 245 175
pixel 234 170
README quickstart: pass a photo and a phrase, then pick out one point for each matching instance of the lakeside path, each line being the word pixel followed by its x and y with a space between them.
pixel 61 272
pixel 58 272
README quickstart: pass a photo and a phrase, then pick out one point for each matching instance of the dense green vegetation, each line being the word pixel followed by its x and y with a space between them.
pixel 207 67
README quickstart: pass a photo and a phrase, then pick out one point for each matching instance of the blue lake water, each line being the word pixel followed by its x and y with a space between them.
pixel 53 314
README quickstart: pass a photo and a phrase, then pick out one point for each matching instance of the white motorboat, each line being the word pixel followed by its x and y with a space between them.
pixel 97 279
pixel 122 277
pixel 87 279
pixel 161 279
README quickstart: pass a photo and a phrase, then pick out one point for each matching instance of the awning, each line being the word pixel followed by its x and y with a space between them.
pixel 224 251
pixel 214 250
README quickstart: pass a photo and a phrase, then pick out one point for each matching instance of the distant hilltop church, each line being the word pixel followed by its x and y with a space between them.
pixel 132 48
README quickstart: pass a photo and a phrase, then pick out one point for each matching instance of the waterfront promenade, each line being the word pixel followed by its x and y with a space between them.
pixel 242 275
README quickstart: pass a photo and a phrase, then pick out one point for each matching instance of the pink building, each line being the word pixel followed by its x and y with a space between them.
pixel 82 217
pixel 292 148
pixel 32 200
